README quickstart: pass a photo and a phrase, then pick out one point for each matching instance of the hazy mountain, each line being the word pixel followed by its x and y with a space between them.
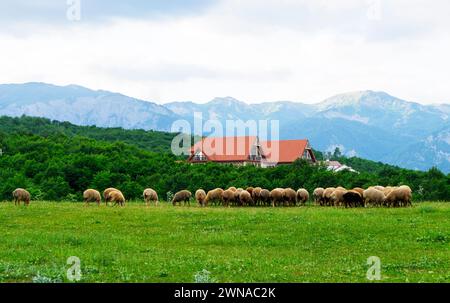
pixel 82 106
pixel 373 125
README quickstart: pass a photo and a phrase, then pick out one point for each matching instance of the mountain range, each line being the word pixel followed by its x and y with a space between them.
pixel 368 124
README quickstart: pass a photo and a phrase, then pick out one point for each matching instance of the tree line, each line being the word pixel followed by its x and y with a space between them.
pixel 58 161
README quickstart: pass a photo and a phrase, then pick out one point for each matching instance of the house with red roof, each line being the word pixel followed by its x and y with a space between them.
pixel 250 150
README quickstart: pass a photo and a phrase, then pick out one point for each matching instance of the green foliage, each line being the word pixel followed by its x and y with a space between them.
pixel 58 161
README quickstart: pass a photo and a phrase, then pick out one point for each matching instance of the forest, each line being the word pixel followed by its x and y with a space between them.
pixel 57 161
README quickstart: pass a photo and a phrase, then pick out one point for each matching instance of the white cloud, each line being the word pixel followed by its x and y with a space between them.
pixel 252 50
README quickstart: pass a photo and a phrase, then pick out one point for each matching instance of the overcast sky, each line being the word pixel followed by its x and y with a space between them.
pixel 253 50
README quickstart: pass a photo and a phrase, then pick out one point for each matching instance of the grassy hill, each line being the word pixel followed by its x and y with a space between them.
pixel 173 244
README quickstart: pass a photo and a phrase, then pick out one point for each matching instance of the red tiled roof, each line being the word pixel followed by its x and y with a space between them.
pixel 284 151
pixel 225 149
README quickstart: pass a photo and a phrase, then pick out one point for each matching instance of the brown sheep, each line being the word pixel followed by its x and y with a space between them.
pixel 182 196
pixel 276 196
pixel 352 198
pixel 302 196
pixel 117 197
pixel 373 197
pixel 359 190
pixel 228 197
pixel 250 190
pixel 265 196
pixel 289 196
pixel 214 196
pixel 200 196
pixel 327 195
pixel 106 193
pixel 232 188
pixel 91 195
pixel 398 197
pixel 245 198
pixel 236 196
pixel 256 195
pixel 337 197
pixel 149 196
pixel 318 195
pixel 21 194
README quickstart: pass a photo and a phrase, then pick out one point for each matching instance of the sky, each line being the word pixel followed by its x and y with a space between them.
pixel 252 50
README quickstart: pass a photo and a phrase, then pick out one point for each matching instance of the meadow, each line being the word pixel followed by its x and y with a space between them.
pixel 188 244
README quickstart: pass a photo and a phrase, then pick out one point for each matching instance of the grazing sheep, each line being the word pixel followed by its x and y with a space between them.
pixel 200 196
pixel 232 188
pixel 106 193
pixel 327 195
pixel 250 190
pixel 91 195
pixel 398 197
pixel 236 196
pixel 341 188
pixel 182 196
pixel 387 190
pixel 265 196
pixel 276 196
pixel 246 198
pixel 149 196
pixel 359 190
pixel 373 197
pixel 214 196
pixel 228 197
pixel 256 195
pixel 352 198
pixel 379 187
pixel 21 194
pixel 318 195
pixel 290 196
pixel 337 197
pixel 302 196
pixel 117 197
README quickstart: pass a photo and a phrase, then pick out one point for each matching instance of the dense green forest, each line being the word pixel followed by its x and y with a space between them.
pixel 58 161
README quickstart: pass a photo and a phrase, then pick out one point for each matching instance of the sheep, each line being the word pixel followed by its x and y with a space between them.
pixel 21 194
pixel 181 196
pixel 150 195
pixel 290 196
pixel 373 197
pixel 318 195
pixel 265 196
pixel 117 197
pixel 387 190
pixel 232 188
pixel 327 195
pixel 302 196
pixel 200 196
pixel 256 195
pixel 359 190
pixel 246 198
pixel 276 196
pixel 106 193
pixel 352 198
pixel 398 197
pixel 238 191
pixel 379 187
pixel 337 197
pixel 91 195
pixel 214 196
pixel 250 190
pixel 228 197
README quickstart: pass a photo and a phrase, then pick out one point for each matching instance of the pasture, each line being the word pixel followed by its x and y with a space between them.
pixel 173 244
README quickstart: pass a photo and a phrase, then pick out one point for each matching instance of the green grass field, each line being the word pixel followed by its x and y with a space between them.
pixel 172 244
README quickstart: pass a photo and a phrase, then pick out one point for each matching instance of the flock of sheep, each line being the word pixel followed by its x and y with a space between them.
pixel 256 196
